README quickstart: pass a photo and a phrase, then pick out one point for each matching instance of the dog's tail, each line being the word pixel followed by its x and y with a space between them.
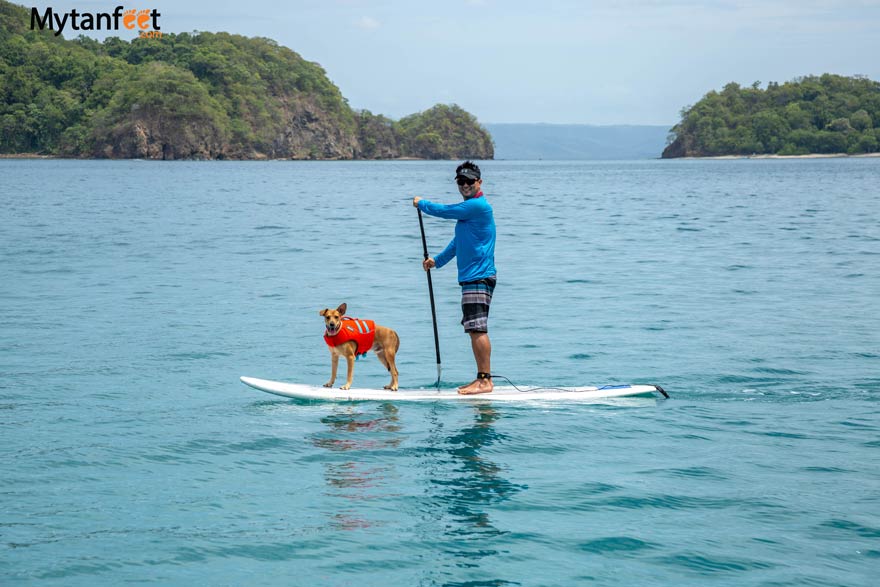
pixel 387 352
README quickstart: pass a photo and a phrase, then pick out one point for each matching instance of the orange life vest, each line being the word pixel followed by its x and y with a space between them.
pixel 362 332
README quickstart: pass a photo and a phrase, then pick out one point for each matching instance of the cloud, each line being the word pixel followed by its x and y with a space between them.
pixel 368 23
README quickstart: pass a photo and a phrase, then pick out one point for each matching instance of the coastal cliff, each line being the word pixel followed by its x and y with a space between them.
pixel 198 96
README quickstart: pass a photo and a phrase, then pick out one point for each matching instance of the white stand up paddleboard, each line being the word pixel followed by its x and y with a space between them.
pixel 334 394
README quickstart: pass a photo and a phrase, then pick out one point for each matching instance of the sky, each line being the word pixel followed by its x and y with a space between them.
pixel 557 61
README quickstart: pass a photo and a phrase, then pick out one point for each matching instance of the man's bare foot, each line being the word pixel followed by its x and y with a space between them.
pixel 477 386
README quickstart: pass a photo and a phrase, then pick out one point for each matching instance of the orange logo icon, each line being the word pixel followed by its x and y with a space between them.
pixel 142 19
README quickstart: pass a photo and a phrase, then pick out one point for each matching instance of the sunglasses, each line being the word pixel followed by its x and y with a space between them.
pixel 465 181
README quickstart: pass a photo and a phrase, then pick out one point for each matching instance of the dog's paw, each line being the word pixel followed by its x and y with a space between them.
pixel 391 387
pixel 328 384
pixel 345 387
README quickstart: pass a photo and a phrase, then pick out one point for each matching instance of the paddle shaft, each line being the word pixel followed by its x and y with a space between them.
pixel 431 295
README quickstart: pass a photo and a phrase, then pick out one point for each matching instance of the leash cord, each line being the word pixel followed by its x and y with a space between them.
pixel 569 390
pixel 534 388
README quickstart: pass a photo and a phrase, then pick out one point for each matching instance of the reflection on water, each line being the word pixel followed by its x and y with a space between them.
pixel 351 419
pixel 370 479
pixel 356 435
pixel 474 482
pixel 464 485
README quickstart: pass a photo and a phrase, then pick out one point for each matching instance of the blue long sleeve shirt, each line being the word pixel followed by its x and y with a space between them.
pixel 474 242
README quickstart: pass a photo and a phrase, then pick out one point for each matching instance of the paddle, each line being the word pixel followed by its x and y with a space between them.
pixel 431 294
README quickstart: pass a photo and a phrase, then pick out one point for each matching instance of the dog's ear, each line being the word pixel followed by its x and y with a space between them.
pixel 323 312
pixel 342 307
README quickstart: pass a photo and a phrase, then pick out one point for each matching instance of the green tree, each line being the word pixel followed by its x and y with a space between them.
pixel 861 120
pixel 795 116
pixel 770 129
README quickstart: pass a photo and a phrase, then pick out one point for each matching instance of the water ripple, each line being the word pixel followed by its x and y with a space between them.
pixel 714 564
pixel 617 545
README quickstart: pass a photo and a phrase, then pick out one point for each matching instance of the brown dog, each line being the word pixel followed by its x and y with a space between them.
pixel 350 337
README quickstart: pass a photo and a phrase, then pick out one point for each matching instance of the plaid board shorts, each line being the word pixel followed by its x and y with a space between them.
pixel 476 296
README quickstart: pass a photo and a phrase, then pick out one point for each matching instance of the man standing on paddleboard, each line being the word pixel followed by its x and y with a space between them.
pixel 474 248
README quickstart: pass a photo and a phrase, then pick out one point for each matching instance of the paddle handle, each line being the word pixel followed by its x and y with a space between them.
pixel 431 295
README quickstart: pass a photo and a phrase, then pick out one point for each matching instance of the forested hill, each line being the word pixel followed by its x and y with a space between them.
pixel 198 96
pixel 815 114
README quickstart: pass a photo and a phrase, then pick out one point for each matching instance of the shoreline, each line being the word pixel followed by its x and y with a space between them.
pixel 712 158
pixel 26 156
pixel 809 156
pixel 39 156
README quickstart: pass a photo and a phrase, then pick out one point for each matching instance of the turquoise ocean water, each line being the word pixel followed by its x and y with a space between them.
pixel 134 294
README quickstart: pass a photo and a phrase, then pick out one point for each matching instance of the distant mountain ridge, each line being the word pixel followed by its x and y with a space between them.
pixel 577 141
